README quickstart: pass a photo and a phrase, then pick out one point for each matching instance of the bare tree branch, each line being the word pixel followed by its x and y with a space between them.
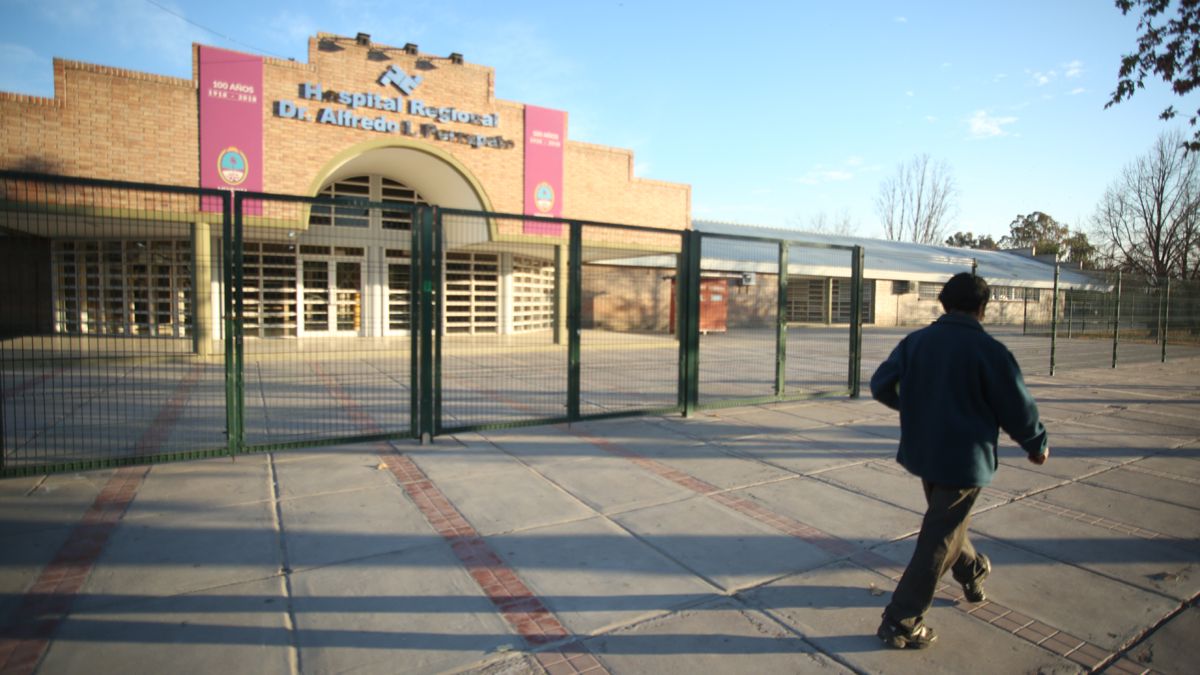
pixel 918 202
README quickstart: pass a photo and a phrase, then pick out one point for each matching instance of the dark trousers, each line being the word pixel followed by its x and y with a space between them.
pixel 942 545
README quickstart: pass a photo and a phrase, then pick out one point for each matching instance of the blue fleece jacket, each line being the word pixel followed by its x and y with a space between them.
pixel 955 387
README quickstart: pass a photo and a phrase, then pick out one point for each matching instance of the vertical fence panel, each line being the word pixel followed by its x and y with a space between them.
pixel 104 360
pixel 738 318
pixel 630 322
pixel 504 345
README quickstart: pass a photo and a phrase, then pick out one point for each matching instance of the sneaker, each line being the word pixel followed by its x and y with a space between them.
pixel 898 637
pixel 973 590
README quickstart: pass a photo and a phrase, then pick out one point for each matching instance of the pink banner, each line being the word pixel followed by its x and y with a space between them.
pixel 545 134
pixel 231 122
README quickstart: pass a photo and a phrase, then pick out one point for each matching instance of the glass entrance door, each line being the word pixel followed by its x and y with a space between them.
pixel 332 296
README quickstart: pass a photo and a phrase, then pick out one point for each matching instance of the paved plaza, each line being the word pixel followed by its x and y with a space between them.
pixel 750 539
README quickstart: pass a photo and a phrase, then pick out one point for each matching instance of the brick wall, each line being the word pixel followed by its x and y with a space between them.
pixel 124 125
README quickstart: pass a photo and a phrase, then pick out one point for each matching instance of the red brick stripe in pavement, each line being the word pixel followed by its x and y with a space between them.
pixel 516 602
pixel 49 600
pixel 46 603
pixel 1080 651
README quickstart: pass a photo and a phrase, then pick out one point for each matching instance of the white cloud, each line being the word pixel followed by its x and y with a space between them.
pixel 901 19
pixel 854 160
pixel 999 77
pixel 1074 68
pixel 983 125
pixel 931 119
pixel 1042 79
pixel 1077 91
pixel 910 93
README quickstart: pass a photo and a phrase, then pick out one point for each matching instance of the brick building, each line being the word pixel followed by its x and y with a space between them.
pixel 358 120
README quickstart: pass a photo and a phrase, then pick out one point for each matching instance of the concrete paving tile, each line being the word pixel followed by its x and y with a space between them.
pixel 467 457
pixel 1172 649
pixel 642 435
pixel 711 426
pixel 418 612
pixel 175 490
pixel 1156 565
pixel 538 445
pixel 728 548
pixel 813 451
pixel 769 418
pixel 720 637
pixel 237 628
pixel 1130 509
pixel 22 558
pixel 592 574
pixel 838 411
pixel 721 469
pixel 887 481
pixel 1021 478
pixel 839 512
pixel 1178 492
pixel 1180 463
pixel 1066 597
pixel 36 503
pixel 349 468
pixel 179 554
pixel 1064 464
pixel 612 484
pixel 510 500
pixel 350 525
pixel 838 608
pixel 1147 416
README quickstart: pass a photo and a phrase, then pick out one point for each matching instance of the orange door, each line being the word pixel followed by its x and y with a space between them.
pixel 714 304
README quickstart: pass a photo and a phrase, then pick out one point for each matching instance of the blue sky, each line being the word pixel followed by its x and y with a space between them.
pixel 774 112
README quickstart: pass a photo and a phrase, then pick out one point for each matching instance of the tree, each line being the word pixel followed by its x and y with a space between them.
pixel 1170 51
pixel 1149 218
pixel 840 224
pixel 917 203
pixel 1044 234
pixel 983 242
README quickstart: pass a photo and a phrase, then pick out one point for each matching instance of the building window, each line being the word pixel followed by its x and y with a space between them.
pixel 533 294
pixel 269 289
pixel 370 189
pixel 123 287
pixel 928 290
pixel 472 292
pixel 398 303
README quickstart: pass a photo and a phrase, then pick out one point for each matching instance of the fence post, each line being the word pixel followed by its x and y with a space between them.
pixel 429 325
pixel 1054 318
pixel 415 324
pixel 574 323
pixel 235 323
pixel 781 322
pixel 689 323
pixel 856 304
pixel 1116 320
pixel 1166 319
pixel 227 323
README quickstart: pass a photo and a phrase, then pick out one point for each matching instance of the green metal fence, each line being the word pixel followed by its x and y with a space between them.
pixel 145 323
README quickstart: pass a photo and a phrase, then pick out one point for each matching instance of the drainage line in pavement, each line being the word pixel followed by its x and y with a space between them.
pixel 1122 654
pixel 285 571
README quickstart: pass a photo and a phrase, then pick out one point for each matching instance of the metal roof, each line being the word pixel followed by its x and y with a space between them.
pixel 883 259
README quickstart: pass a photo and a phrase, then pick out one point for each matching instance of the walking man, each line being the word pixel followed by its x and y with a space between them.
pixel 955 387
